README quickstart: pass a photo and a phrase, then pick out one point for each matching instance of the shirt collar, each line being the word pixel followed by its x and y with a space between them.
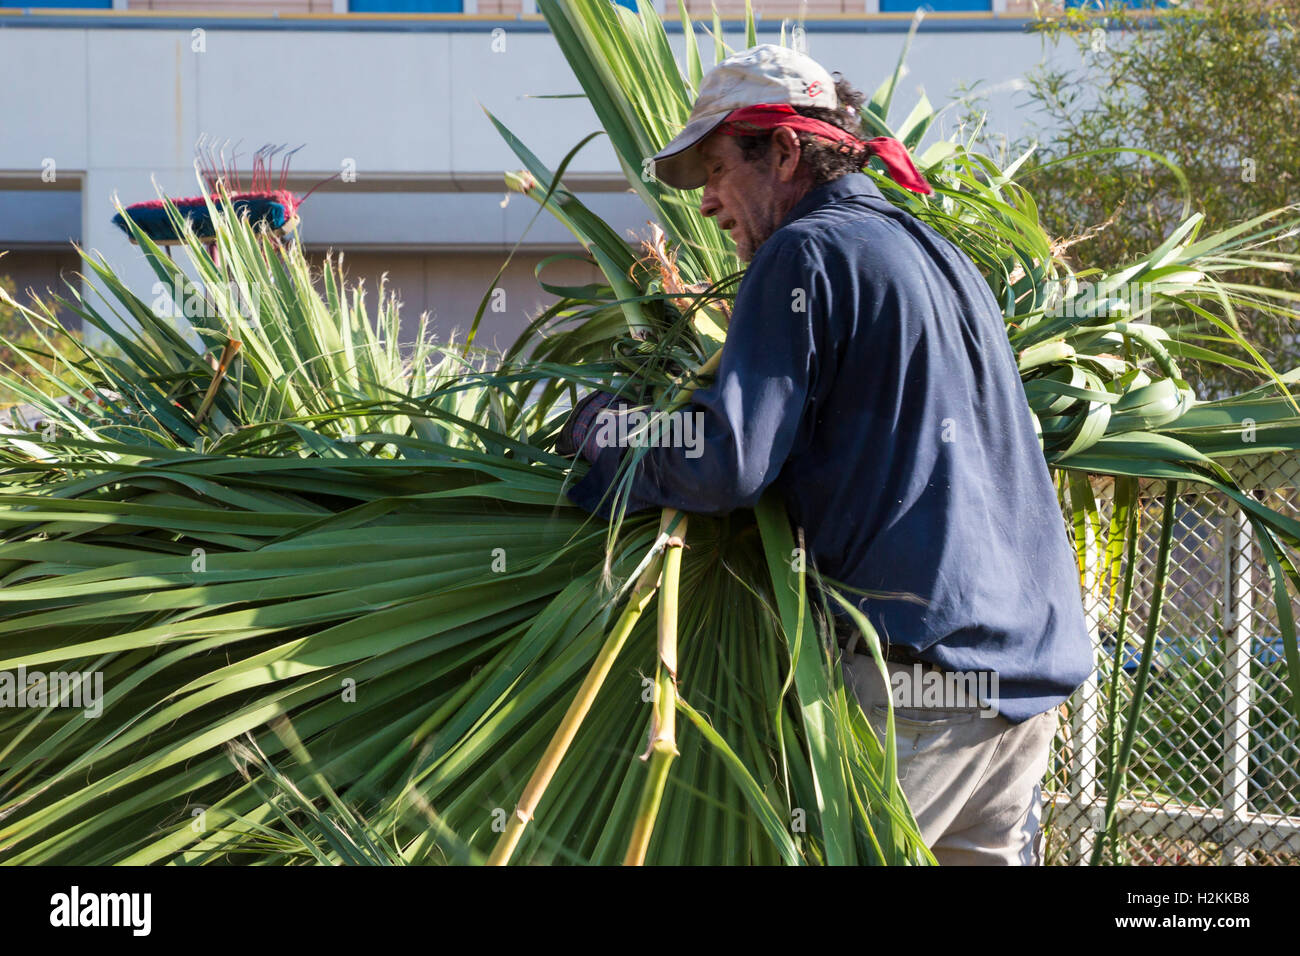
pixel 850 184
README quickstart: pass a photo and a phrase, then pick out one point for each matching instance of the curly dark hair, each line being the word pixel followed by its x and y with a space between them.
pixel 826 161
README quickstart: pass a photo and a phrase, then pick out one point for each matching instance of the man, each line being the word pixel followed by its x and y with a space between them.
pixel 867 376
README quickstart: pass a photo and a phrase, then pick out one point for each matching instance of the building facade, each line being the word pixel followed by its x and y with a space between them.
pixel 104 99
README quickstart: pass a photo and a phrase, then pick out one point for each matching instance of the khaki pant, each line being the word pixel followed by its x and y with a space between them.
pixel 973 782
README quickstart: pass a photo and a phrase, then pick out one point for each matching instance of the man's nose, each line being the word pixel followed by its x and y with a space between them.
pixel 709 204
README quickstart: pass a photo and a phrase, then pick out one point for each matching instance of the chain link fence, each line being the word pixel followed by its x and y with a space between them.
pixel 1214 776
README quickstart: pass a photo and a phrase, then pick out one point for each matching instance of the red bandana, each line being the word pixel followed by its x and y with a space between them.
pixel 890 152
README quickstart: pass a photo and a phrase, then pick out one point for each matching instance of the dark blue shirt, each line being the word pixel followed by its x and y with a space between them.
pixel 868 376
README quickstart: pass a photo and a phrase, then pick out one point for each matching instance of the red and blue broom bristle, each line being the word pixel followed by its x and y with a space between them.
pixel 266 203
pixel 274 209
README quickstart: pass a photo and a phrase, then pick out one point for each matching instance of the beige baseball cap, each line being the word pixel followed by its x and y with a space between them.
pixel 763 74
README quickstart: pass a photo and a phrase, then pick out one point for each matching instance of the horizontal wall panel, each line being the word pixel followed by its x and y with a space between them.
pixel 39 217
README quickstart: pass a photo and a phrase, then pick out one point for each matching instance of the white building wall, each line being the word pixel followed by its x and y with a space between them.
pixel 119 108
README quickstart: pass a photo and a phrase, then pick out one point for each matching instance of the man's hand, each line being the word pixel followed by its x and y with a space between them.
pixel 573 436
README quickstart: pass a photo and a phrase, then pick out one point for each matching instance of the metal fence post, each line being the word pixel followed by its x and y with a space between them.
pixel 1238 560
pixel 1085 719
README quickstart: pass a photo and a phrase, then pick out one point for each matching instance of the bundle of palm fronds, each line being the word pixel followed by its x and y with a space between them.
pixel 372 552
pixel 362 558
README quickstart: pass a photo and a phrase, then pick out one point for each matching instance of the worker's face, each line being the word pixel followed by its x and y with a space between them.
pixel 751 199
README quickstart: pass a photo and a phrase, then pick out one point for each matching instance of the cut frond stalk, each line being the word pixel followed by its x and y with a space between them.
pixel 642 592
pixel 1121 642
pixel 663 728
pixel 227 356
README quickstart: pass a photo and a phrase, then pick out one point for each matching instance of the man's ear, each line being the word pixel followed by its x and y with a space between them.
pixel 785 153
